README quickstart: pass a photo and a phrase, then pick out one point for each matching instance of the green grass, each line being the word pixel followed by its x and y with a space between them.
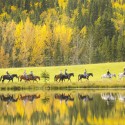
pixel 95 81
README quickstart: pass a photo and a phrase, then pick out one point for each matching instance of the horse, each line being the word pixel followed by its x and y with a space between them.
pixel 30 98
pixel 64 97
pixel 80 76
pixel 108 76
pixel 56 77
pixel 85 97
pixel 8 77
pixel 63 77
pixel 29 77
pixel 121 75
pixel 34 78
pixel 9 99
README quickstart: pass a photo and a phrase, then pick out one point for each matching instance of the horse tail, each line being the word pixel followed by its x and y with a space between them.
pixel 1 78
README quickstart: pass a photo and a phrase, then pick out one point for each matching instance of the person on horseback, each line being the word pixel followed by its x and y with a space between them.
pixel 31 74
pixel 61 73
pixel 66 72
pixel 8 74
pixel 85 73
pixel 25 74
pixel 108 73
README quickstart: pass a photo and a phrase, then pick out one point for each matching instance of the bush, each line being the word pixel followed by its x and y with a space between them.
pixel 45 75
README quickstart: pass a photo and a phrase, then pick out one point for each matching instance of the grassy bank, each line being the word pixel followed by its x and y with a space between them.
pixel 94 82
pixel 66 85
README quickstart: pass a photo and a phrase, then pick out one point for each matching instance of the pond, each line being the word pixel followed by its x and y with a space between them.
pixel 74 107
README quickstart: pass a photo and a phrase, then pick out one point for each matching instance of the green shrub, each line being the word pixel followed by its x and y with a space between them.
pixel 45 75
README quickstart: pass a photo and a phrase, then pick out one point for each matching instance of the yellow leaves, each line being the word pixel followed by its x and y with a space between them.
pixel 4 15
pixel 13 8
pixel 118 5
pixel 20 108
pixel 63 4
pixel 4 62
pixel 36 4
pixel 80 120
pixel 118 21
pixel 84 31
pixel 18 33
pixel 63 33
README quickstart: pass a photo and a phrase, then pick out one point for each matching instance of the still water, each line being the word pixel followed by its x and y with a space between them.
pixel 84 107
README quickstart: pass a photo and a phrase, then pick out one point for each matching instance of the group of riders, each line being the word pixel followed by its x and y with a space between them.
pixel 25 74
pixel 85 73
pixel 65 73
pixel 109 74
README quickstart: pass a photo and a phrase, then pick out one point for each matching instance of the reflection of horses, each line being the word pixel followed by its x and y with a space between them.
pixel 8 77
pixel 64 97
pixel 108 96
pixel 29 77
pixel 8 99
pixel 30 98
pixel 108 76
pixel 121 98
pixel 121 75
pixel 80 76
pixel 63 77
pixel 85 97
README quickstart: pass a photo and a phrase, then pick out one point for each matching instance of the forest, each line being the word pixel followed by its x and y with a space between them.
pixel 61 32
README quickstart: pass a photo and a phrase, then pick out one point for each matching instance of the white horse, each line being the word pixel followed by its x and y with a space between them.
pixel 108 96
pixel 121 75
pixel 121 98
pixel 108 76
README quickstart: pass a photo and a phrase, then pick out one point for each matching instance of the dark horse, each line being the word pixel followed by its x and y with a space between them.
pixel 80 76
pixel 8 77
pixel 63 77
pixel 29 77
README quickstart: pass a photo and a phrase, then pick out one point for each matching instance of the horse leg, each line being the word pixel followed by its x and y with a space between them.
pixel 78 78
pixel 70 80
pixel 3 80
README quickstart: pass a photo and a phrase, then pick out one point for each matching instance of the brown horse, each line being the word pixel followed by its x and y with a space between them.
pixel 29 77
pixel 57 77
pixel 35 78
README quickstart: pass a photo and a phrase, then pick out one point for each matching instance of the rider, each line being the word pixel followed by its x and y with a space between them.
pixel 8 73
pixel 31 73
pixel 66 72
pixel 85 73
pixel 25 74
pixel 108 73
pixel 61 72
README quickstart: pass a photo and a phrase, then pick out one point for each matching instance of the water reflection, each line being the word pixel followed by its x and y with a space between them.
pixel 64 97
pixel 63 108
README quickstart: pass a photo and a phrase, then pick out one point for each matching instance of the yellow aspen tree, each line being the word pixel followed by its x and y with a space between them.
pixel 27 39
pixel 4 58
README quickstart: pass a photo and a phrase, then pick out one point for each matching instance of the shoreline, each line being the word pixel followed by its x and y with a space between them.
pixel 63 86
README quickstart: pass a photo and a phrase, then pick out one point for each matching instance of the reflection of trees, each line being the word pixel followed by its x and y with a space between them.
pixel 48 110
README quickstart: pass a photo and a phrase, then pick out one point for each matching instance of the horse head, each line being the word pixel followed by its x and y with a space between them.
pixel 90 74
